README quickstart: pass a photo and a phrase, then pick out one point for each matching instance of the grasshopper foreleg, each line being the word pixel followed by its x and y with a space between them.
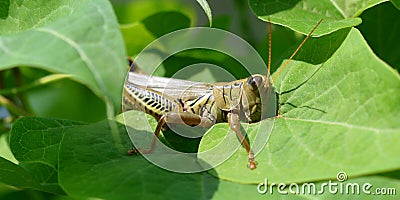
pixel 174 118
pixel 234 123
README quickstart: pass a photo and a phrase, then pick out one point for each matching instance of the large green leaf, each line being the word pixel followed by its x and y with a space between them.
pixel 35 144
pixel 302 15
pixel 80 38
pixel 336 116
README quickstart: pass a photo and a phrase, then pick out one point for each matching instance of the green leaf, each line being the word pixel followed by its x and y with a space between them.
pixel 5 150
pixel 82 38
pixel 319 50
pixel 301 16
pixel 94 164
pixel 220 144
pixel 35 144
pixel 7 192
pixel 207 10
pixel 396 3
pixel 336 116
pixel 15 175
pixel 381 33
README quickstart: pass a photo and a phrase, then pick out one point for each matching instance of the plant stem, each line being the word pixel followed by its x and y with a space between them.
pixel 12 107
pixel 38 82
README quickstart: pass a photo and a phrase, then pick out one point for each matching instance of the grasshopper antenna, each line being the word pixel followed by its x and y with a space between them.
pixel 295 52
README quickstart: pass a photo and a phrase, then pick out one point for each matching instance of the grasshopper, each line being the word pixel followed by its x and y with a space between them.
pixel 203 104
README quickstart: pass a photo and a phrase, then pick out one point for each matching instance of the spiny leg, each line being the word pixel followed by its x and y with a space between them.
pixel 174 118
pixel 234 123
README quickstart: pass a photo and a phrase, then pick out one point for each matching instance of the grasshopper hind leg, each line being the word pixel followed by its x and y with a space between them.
pixel 174 118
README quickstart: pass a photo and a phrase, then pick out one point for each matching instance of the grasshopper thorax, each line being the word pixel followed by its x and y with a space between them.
pixel 249 97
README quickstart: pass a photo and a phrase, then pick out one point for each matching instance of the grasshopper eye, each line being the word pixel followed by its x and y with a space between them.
pixel 255 82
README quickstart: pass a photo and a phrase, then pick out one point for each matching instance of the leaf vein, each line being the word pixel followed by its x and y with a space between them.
pixel 353 126
pixel 80 51
pixel 338 8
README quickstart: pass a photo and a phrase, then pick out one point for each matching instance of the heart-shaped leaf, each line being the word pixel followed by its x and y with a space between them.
pixel 336 116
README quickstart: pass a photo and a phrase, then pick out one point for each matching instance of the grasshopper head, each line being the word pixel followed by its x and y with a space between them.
pixel 260 96
pixel 256 82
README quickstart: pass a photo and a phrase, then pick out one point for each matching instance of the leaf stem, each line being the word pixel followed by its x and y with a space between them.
pixel 12 107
